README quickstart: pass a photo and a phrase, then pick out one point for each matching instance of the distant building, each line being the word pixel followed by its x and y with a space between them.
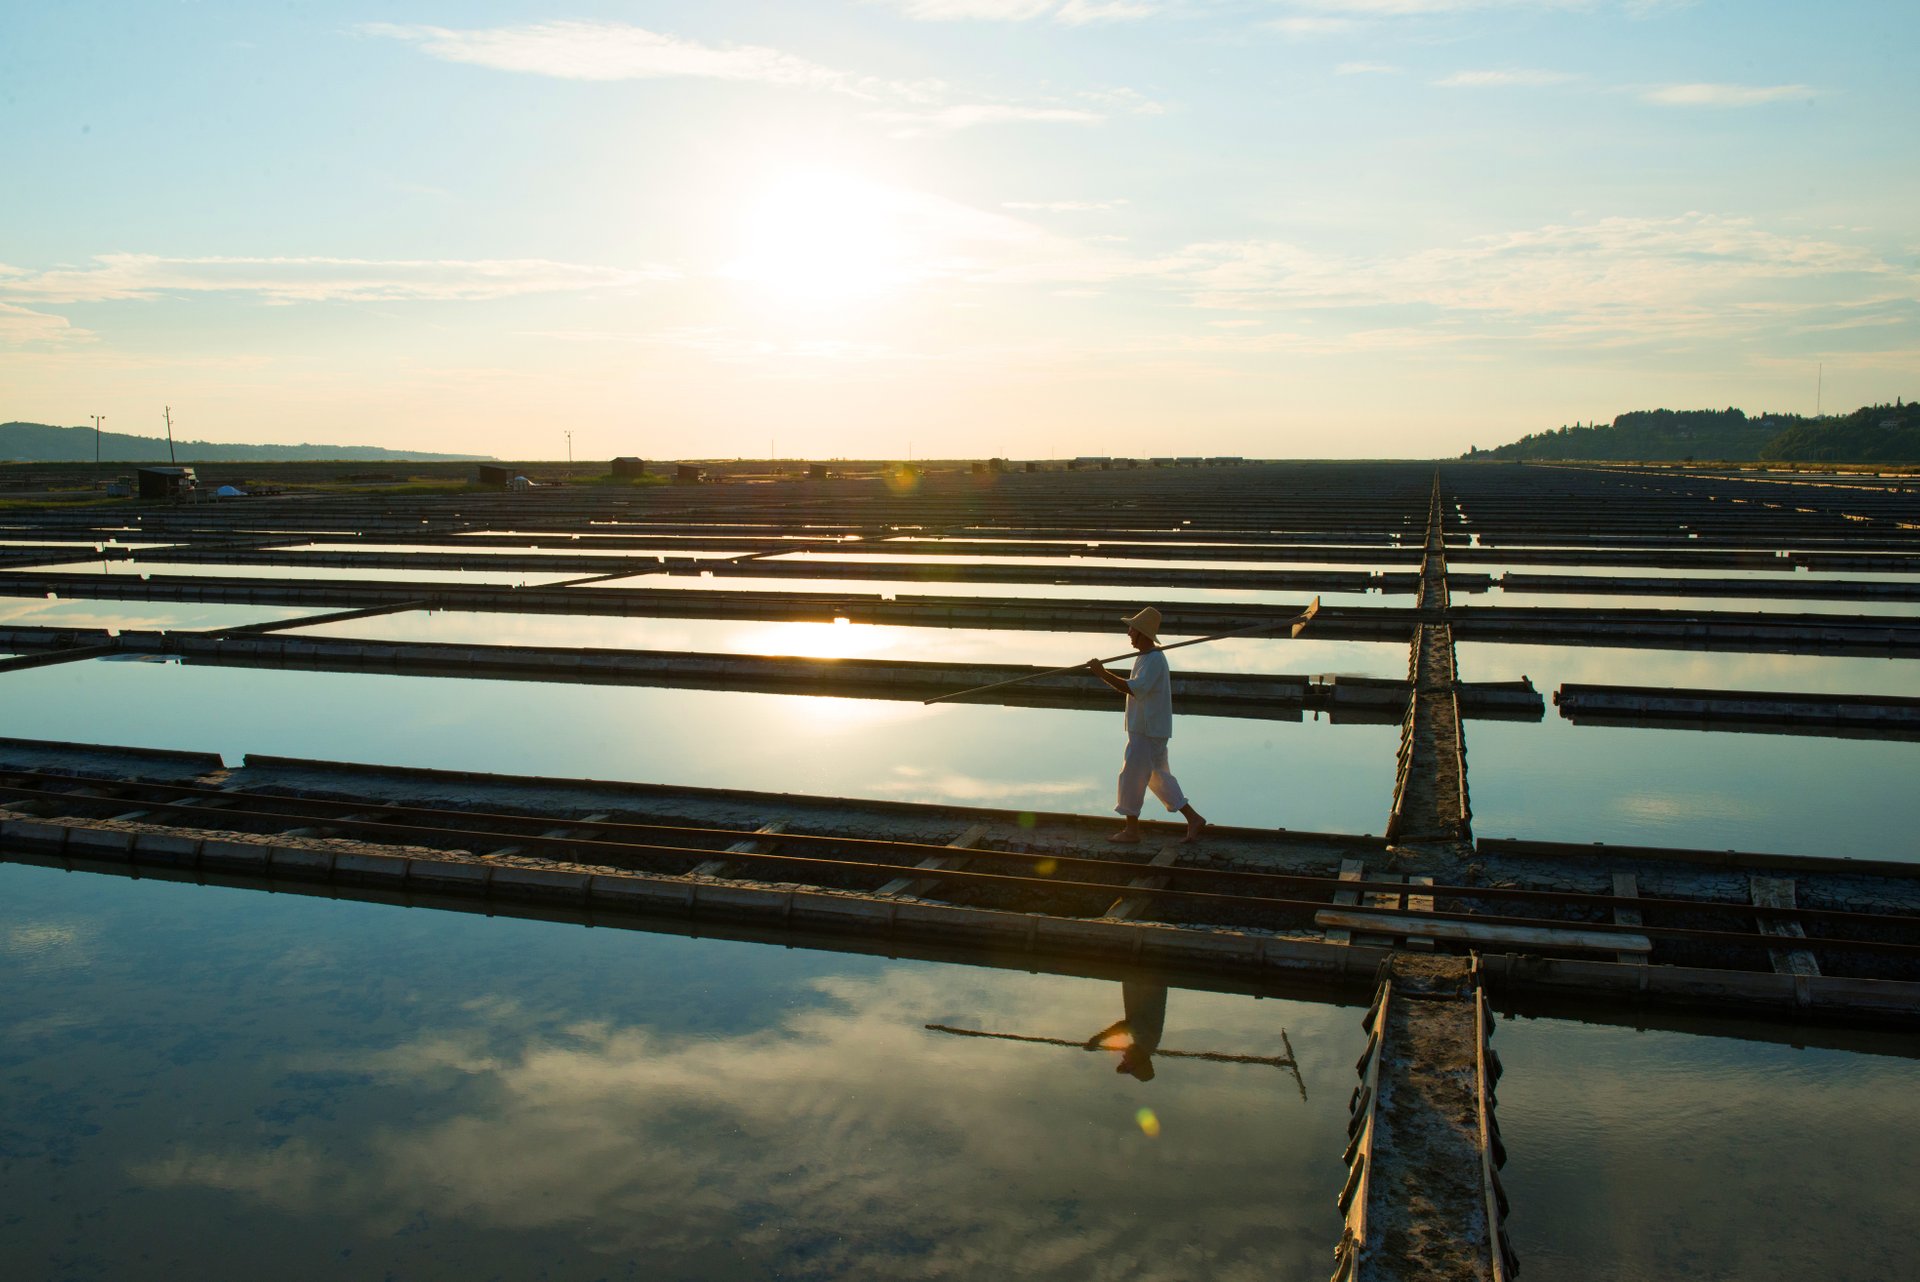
pixel 497 474
pixel 167 482
pixel 688 474
pixel 627 467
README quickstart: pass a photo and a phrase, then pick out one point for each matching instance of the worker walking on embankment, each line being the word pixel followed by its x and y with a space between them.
pixel 1149 691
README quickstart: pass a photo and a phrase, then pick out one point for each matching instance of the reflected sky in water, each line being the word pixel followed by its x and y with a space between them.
pixel 550 545
pixel 1144 561
pixel 147 616
pixel 1551 666
pixel 1645 1155
pixel 1786 573
pixel 1062 591
pixel 1715 790
pixel 1731 604
pixel 865 641
pixel 302 574
pixel 217 1084
pixel 1712 790
pixel 1308 775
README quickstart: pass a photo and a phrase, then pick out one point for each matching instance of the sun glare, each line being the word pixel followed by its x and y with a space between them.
pixel 820 239
pixel 817 640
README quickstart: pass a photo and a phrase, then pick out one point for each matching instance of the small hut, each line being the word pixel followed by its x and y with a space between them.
pixel 167 482
pixel 627 467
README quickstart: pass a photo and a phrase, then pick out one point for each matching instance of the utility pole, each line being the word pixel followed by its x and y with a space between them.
pixel 170 458
pixel 96 438
pixel 569 449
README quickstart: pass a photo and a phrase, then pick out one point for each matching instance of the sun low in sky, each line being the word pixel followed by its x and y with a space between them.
pixel 883 228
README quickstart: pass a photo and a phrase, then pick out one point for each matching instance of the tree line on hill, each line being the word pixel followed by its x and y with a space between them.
pixel 44 443
pixel 1871 434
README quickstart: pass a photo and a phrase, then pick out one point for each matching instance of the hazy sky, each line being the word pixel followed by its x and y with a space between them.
pixel 952 227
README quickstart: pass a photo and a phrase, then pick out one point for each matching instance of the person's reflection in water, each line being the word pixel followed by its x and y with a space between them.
pixel 1137 1036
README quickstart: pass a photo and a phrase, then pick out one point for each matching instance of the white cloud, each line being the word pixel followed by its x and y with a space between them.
pixel 618 51
pixel 1420 8
pixel 1067 12
pixel 611 51
pixel 1125 100
pixel 1713 95
pixel 1080 12
pixel 1511 78
pixel 938 120
pixel 1632 278
pixel 1307 27
pixel 1063 206
pixel 296 280
pixel 22 325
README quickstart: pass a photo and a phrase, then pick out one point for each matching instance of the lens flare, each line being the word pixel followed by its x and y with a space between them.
pixel 1149 1123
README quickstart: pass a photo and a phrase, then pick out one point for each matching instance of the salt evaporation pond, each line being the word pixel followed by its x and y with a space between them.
pixel 144 616
pixel 212 1083
pixel 864 641
pixel 1295 774
pixel 1642 1155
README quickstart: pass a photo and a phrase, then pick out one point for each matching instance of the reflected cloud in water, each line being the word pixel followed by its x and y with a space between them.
pixel 846 1140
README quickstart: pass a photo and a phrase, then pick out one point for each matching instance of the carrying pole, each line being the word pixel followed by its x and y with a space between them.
pixel 1295 626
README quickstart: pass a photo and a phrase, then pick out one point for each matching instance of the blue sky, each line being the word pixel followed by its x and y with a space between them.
pixel 1295 228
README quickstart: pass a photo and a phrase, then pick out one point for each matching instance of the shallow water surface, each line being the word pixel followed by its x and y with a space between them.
pixel 1552 666
pixel 1304 656
pixel 1301 774
pixel 145 616
pixel 215 1083
pixel 1711 790
pixel 1639 1155
pixel 907 586
pixel 303 574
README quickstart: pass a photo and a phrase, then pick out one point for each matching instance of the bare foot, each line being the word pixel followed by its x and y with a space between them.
pixel 1125 837
pixel 1195 827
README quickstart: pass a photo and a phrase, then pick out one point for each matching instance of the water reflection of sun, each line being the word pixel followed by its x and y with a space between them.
pixel 837 640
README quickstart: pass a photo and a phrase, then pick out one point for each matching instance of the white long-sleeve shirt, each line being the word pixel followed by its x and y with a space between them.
pixel 1150 696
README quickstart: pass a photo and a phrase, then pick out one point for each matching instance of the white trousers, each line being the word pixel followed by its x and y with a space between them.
pixel 1144 767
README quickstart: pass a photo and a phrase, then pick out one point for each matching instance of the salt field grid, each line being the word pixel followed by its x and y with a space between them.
pixel 438 1094
pixel 1250 772
pixel 1728 787
pixel 333 1053
pixel 844 639
pixel 1787 573
pixel 892 587
pixel 432 1050
pixel 1142 558
pixel 537 545
pixel 1551 666
pixel 150 615
pixel 1663 601
pixel 291 573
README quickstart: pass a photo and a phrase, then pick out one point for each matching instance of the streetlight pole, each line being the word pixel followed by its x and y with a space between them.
pixel 569 449
pixel 96 438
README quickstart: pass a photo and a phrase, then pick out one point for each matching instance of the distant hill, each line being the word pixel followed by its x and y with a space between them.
pixel 1871 434
pixel 42 443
